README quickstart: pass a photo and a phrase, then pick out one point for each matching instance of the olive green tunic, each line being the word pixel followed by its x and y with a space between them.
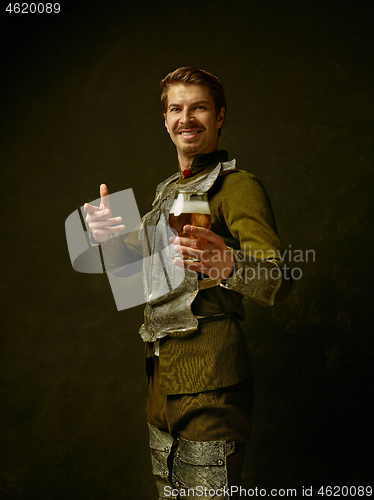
pixel 216 355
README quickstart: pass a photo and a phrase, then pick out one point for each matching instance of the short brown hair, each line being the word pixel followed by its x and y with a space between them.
pixel 187 75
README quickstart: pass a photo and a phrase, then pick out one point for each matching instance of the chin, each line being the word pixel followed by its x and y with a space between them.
pixel 190 149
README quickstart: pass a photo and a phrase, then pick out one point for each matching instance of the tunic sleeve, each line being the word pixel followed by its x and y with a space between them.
pixel 119 251
pixel 259 265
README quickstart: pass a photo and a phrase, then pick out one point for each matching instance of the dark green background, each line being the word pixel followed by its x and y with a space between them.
pixel 80 106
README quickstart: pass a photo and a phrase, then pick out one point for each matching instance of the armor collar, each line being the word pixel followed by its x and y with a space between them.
pixel 204 164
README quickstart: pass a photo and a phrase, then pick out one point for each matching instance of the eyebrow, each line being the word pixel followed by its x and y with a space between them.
pixel 173 105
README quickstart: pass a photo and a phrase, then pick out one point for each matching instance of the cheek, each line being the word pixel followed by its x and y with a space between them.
pixel 171 126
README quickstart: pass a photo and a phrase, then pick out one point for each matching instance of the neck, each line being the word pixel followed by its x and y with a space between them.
pixel 185 162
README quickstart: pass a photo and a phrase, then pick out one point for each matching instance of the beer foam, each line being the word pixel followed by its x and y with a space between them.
pixel 190 207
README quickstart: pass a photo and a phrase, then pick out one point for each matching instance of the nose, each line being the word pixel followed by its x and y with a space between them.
pixel 187 116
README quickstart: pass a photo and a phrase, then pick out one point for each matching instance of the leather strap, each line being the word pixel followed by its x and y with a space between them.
pixel 209 283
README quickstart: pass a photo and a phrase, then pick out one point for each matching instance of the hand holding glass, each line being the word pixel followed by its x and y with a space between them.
pixel 192 209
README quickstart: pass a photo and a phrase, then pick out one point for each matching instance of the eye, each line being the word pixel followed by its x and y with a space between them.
pixel 200 107
pixel 173 109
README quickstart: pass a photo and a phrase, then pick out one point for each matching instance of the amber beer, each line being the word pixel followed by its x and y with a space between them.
pixel 192 209
pixel 177 222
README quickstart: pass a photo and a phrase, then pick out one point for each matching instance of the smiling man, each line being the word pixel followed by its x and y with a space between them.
pixel 192 121
pixel 199 377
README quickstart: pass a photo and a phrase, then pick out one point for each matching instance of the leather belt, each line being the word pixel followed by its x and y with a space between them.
pixel 208 283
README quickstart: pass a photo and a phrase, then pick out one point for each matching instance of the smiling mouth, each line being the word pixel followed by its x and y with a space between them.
pixel 191 133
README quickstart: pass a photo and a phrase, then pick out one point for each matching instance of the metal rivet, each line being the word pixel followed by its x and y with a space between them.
pixel 177 485
pixel 220 462
pixel 166 449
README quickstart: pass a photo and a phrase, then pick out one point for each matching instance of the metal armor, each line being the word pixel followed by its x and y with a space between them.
pixel 160 444
pixel 200 469
pixel 168 294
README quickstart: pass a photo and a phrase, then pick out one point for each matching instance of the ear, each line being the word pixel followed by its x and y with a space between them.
pixel 166 123
pixel 221 117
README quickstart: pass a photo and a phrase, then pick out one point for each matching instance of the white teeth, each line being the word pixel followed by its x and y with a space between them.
pixel 189 133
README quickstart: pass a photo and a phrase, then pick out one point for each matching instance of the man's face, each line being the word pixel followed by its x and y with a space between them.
pixel 191 120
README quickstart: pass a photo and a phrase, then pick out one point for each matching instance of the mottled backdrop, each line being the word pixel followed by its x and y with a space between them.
pixel 80 106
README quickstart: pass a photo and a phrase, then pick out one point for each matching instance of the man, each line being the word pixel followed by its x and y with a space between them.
pixel 200 383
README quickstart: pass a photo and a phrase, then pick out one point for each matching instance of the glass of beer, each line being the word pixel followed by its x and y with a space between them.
pixel 189 208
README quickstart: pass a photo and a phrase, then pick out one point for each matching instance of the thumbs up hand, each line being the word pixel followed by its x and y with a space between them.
pixel 100 220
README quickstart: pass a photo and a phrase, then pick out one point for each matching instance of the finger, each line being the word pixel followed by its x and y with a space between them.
pixel 199 244
pixel 104 195
pixel 109 230
pixel 204 233
pixel 192 266
pixel 89 209
pixel 102 215
pixel 211 272
pixel 190 252
pixel 105 223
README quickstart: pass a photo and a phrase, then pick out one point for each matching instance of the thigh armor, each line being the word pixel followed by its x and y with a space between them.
pixel 200 469
pixel 161 444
